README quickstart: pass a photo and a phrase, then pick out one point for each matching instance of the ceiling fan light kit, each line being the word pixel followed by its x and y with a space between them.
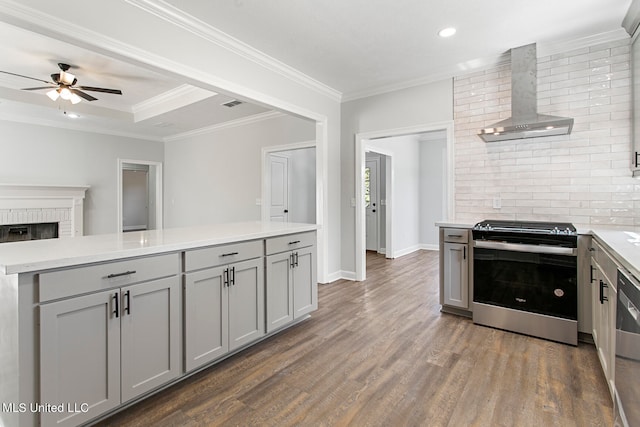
pixel 63 86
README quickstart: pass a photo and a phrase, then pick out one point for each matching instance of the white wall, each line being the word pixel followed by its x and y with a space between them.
pixel 420 105
pixel 582 178
pixel 33 154
pixel 432 189
pixel 217 177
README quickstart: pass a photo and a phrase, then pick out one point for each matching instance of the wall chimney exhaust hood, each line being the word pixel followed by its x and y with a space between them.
pixel 525 122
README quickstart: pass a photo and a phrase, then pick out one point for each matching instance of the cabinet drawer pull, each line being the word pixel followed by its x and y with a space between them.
pixel 116 310
pixel 296 258
pixel 229 254
pixel 127 307
pixel 225 277
pixel 126 273
pixel 294 242
pixel 232 279
pixel 457 236
pixel 602 297
pixel 464 252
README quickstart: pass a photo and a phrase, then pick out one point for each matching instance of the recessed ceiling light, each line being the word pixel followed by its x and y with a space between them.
pixel 72 115
pixel 447 32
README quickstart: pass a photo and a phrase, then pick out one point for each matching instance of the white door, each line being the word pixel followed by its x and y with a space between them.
pixel 279 209
pixel 371 202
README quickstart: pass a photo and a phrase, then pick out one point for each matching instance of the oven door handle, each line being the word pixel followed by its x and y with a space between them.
pixel 520 247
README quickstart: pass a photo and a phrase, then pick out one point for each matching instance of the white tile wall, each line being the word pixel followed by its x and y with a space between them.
pixel 582 178
pixel 26 216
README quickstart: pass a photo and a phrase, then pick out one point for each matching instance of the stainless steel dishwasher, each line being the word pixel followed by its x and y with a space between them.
pixel 627 363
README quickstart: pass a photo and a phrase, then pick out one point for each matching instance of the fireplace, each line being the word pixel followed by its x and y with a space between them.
pixel 25 207
pixel 34 231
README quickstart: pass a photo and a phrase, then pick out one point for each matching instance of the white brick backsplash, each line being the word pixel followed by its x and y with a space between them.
pixel 583 177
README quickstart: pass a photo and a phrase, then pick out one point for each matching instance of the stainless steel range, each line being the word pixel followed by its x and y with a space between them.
pixel 525 278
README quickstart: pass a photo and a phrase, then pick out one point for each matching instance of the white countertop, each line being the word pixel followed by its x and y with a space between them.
pixel 22 257
pixel 624 245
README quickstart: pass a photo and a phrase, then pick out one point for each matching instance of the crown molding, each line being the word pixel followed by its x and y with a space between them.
pixel 442 73
pixel 76 127
pixel 563 46
pixel 201 29
pixel 226 125
pixel 170 100
pixel 543 49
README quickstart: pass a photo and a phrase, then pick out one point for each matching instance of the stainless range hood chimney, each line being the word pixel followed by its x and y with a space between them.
pixel 525 122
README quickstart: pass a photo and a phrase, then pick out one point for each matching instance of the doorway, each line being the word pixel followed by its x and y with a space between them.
pixel 135 198
pixel 139 187
pixel 394 232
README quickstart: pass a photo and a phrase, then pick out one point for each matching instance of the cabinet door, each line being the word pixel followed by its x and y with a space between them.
pixel 206 317
pixel 456 275
pixel 246 302
pixel 150 328
pixel 603 319
pixel 279 290
pixel 79 358
pixel 305 283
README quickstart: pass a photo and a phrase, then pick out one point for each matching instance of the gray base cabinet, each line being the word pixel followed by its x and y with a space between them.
pixel 224 305
pixel 292 286
pixel 84 338
pixel 456 275
pixel 455 266
pixel 103 349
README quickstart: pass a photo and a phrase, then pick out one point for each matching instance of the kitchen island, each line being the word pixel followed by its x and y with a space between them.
pixel 91 324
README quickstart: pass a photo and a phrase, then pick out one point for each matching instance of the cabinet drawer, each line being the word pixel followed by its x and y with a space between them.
pixel 82 280
pixel 222 254
pixel 289 242
pixel 456 235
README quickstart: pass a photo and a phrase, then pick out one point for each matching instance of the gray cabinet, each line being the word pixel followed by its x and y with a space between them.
pixel 604 298
pixel 455 265
pixel 105 348
pixel 79 357
pixel 224 304
pixel 292 286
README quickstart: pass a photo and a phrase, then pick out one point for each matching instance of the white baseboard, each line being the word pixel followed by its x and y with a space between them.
pixel 429 247
pixel 338 275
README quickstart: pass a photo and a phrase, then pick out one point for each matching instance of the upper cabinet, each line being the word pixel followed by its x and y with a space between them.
pixel 630 23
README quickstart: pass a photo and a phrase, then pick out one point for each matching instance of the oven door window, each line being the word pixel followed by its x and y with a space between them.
pixel 538 283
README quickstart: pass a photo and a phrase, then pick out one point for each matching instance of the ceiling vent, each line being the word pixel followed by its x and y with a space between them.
pixel 525 122
pixel 232 103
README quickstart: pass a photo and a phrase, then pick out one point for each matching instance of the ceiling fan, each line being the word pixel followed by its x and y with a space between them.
pixel 63 85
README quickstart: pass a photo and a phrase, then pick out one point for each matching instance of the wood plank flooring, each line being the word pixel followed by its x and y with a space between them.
pixel 380 353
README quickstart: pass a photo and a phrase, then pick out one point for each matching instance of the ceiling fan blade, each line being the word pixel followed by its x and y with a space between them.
pixel 39 88
pixel 83 95
pixel 100 89
pixel 26 77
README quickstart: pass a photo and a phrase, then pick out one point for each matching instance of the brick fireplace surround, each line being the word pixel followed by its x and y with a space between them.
pixel 28 204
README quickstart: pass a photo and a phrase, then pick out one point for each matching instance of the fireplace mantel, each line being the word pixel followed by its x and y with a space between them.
pixel 30 203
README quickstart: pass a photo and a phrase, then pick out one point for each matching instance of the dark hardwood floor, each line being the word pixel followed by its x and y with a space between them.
pixel 380 353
